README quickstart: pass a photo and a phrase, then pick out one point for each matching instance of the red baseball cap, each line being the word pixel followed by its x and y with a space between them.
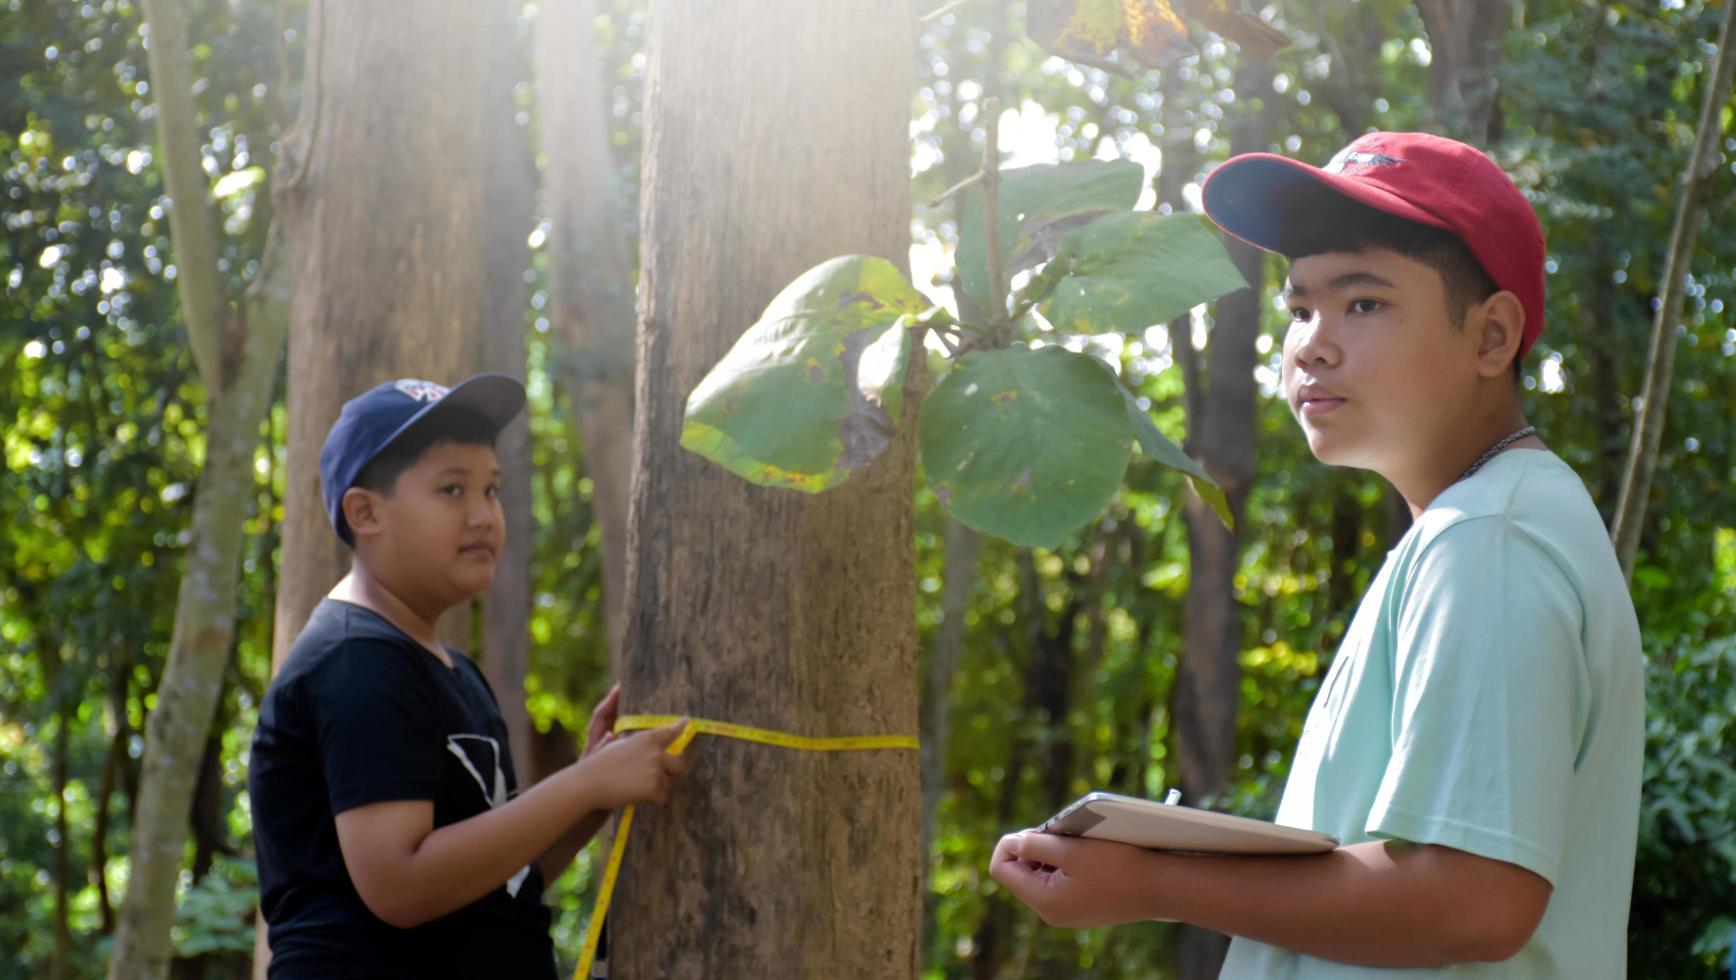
pixel 1428 179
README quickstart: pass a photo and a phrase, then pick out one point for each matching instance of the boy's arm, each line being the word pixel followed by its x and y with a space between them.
pixel 409 873
pixel 1378 903
pixel 600 732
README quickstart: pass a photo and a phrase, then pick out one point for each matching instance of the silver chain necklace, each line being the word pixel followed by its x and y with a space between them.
pixel 1497 447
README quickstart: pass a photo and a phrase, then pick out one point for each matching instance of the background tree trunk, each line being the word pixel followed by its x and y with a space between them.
pixel 758 605
pixel 1703 162
pixel 387 217
pixel 386 210
pixel 1465 46
pixel 592 308
pixel 1208 678
pixel 236 354
pixel 509 213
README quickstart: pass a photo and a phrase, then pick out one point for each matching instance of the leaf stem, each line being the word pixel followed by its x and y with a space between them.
pixel 962 185
pixel 941 11
pixel 991 181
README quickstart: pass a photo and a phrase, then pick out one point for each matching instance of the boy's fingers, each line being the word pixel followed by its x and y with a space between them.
pixel 604 715
pixel 1045 849
pixel 664 736
pixel 674 765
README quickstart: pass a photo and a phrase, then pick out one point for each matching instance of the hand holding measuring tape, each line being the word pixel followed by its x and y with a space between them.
pixel 674 745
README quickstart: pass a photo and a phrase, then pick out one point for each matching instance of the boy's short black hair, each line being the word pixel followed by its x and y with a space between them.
pixel 455 425
pixel 1316 224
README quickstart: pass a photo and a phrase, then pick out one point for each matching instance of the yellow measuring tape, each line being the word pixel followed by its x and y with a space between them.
pixel 704 726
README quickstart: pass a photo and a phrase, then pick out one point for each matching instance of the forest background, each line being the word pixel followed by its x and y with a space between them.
pixel 1152 648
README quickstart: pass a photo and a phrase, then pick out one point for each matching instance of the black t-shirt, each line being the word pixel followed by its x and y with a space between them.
pixel 360 714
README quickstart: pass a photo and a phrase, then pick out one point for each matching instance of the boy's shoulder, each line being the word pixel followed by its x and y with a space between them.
pixel 340 639
pixel 1527 492
pixel 1525 519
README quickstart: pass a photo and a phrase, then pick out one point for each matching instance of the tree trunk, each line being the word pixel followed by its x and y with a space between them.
pixel 1636 485
pixel 592 309
pixel 60 963
pixel 1208 679
pixel 509 207
pixel 958 584
pixel 757 605
pixel 386 207
pixel 1464 47
pixel 387 215
pixel 237 356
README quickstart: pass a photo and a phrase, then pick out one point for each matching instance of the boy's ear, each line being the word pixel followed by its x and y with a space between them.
pixel 1500 320
pixel 361 512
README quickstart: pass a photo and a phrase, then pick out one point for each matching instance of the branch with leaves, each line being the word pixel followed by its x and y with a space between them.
pixel 1023 438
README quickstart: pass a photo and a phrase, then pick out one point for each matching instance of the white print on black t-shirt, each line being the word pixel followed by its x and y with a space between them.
pixel 479 753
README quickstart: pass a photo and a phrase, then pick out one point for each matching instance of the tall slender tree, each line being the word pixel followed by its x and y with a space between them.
pixel 1697 176
pixel 1223 407
pixel 776 137
pixel 236 350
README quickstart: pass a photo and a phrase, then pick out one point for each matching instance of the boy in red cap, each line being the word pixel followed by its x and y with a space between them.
pixel 1476 745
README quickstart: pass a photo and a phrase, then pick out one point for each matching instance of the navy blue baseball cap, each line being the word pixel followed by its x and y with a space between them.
pixel 372 421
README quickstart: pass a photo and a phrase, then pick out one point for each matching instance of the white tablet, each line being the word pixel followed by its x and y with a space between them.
pixel 1166 827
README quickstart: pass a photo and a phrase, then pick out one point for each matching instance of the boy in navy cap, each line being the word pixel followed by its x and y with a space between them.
pixel 391 837
pixel 1476 744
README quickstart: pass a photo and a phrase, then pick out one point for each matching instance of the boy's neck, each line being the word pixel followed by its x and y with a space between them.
pixel 419 620
pixel 1446 462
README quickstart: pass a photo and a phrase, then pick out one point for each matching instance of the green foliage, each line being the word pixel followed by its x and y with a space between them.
pixel 216 914
pixel 1126 272
pixel 1036 205
pixel 813 390
pixel 808 394
pixel 1025 444
pixel 1685 883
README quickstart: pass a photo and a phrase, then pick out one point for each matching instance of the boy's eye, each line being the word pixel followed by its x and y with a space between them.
pixel 1301 314
pixel 1365 305
pixel 493 492
pixel 453 489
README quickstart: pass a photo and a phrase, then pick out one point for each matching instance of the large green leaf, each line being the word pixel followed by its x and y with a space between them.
pixel 1131 270
pixel 812 391
pixel 1035 205
pixel 1154 444
pixel 1026 445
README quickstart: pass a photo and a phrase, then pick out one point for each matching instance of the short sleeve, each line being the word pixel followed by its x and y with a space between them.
pixel 1489 695
pixel 376 722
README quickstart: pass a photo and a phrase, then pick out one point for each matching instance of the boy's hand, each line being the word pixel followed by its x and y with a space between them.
pixel 1073 882
pixel 602 728
pixel 633 768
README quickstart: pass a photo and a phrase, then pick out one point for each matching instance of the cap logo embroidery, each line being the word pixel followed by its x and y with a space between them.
pixel 422 391
pixel 1347 158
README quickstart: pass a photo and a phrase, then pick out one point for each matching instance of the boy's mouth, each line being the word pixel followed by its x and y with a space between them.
pixel 480 548
pixel 1316 399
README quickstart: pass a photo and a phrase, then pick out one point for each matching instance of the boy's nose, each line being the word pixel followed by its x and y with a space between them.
pixel 1312 343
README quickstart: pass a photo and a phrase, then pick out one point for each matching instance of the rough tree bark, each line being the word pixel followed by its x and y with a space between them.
pixel 386 210
pixel 757 605
pixel 387 219
pixel 1208 679
pixel 236 353
pixel 1702 165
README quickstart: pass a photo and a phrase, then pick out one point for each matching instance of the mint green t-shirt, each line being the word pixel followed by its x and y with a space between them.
pixel 1488 696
